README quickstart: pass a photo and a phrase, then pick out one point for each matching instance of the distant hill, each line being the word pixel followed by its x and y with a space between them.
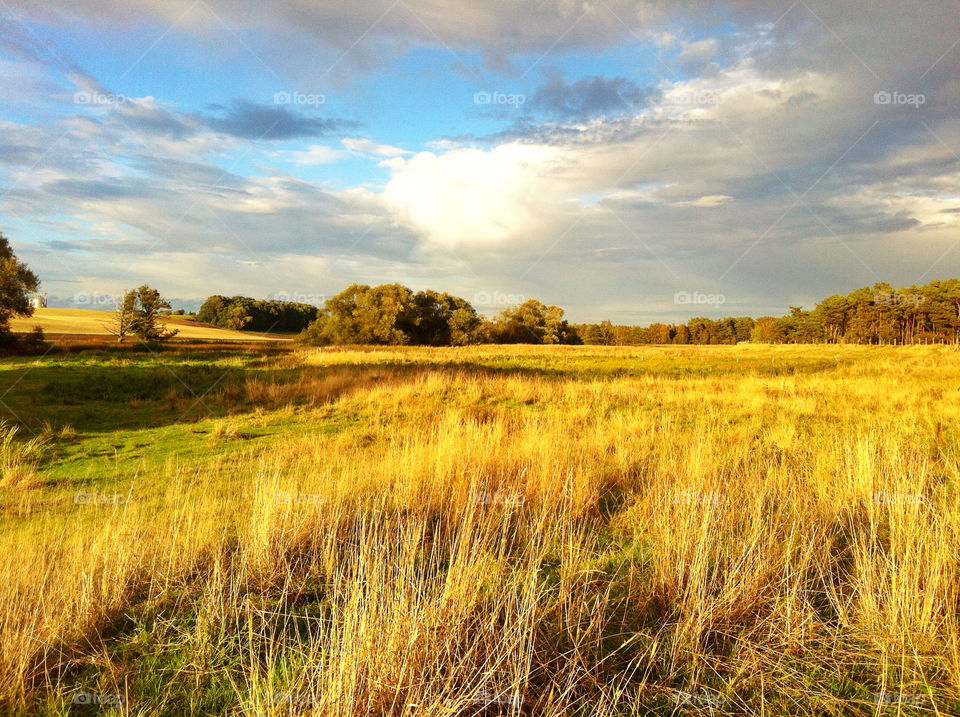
pixel 96 323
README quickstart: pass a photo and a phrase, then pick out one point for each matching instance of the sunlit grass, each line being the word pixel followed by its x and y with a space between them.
pixel 504 530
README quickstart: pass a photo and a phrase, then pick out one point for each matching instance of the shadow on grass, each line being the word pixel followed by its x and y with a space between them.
pixel 128 387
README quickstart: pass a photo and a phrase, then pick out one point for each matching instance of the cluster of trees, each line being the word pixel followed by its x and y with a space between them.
pixel 700 330
pixel 241 313
pixel 392 314
pixel 873 315
pixel 532 322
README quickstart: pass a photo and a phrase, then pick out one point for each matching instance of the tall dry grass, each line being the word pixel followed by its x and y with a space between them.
pixel 480 543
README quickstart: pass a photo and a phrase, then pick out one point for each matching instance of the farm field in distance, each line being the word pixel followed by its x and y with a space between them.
pixel 88 322
pixel 489 530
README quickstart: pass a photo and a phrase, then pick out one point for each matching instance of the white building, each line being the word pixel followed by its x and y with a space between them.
pixel 38 301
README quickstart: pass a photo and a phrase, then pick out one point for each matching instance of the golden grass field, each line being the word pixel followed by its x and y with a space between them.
pixel 736 530
pixel 97 323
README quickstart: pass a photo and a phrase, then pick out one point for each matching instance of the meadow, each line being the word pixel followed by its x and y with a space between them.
pixel 490 530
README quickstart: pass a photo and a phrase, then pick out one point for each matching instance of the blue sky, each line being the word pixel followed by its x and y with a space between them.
pixel 604 156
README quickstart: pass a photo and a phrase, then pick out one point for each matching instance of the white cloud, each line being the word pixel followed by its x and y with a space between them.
pixel 315 154
pixel 368 146
pixel 708 200
pixel 474 196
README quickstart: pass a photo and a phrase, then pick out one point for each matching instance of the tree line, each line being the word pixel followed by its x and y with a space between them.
pixel 700 330
pixel 881 314
pixel 877 315
pixel 871 315
pixel 392 314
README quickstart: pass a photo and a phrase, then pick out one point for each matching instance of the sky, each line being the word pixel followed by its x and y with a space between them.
pixel 631 161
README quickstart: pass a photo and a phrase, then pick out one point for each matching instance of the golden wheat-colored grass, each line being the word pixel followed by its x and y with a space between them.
pixel 537 542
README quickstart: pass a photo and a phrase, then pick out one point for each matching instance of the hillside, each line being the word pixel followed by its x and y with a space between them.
pixel 72 322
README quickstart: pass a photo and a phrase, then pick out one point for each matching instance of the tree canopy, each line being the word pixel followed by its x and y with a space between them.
pixel 391 314
pixel 138 314
pixel 241 313
pixel 16 284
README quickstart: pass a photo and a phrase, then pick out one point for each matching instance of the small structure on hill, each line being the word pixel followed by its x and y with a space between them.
pixel 38 301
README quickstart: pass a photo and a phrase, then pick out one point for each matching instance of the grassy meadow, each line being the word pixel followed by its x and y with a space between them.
pixel 730 530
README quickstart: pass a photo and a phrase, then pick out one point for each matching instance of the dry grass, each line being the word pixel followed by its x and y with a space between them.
pixel 17 458
pixel 518 543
